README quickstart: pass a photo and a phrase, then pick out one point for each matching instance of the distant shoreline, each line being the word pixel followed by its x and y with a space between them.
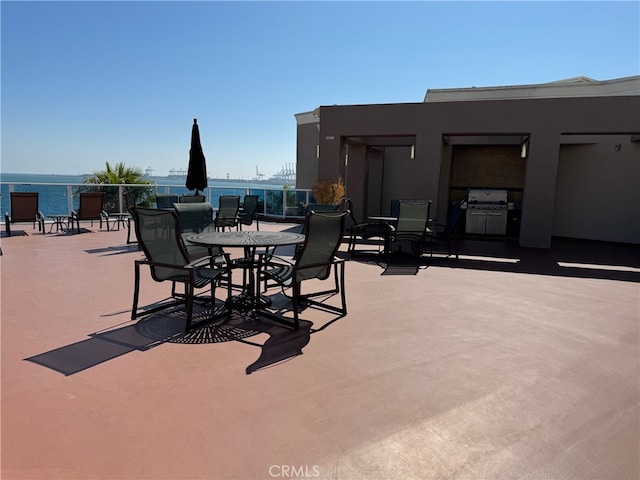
pixel 13 177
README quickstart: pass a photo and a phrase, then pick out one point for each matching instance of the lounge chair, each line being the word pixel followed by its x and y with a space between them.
pixel 227 215
pixel 249 211
pixel 413 217
pixel 313 260
pixel 24 209
pixel 166 256
pixel 90 208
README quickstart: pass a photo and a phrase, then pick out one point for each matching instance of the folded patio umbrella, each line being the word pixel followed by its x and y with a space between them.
pixel 197 173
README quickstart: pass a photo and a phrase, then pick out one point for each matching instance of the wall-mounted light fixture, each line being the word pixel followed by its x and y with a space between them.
pixel 412 154
pixel 524 148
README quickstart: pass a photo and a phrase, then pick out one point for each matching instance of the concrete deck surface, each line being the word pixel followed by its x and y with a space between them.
pixel 505 364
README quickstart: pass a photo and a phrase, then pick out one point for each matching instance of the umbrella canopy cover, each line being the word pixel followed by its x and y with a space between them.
pixel 197 173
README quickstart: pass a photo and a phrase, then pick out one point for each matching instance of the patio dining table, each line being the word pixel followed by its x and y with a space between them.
pixel 250 241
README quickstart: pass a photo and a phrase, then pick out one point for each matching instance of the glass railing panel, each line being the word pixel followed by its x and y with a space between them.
pixel 59 198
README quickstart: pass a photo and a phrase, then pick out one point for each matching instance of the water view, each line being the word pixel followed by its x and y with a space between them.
pixel 54 192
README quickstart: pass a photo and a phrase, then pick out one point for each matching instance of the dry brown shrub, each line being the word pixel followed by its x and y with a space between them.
pixel 328 192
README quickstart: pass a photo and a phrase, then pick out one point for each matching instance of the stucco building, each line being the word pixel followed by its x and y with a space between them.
pixel 567 153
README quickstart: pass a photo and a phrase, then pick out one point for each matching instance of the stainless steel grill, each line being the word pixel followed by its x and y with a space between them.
pixel 487 211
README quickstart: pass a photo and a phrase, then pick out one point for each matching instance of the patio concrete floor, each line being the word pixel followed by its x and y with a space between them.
pixel 505 364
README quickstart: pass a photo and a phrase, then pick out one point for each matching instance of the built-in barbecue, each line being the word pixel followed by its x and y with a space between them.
pixel 487 211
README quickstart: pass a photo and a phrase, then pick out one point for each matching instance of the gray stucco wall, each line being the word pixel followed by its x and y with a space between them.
pixel 544 121
pixel 598 190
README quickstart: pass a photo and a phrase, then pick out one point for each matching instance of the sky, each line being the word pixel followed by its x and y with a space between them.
pixel 88 82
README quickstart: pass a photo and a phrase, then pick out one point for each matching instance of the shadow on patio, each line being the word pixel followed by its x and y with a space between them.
pixel 565 258
pixel 167 326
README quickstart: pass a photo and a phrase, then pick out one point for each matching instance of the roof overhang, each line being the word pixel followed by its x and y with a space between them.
pixel 571 87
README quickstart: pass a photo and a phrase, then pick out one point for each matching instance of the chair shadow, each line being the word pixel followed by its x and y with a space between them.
pixel 115 250
pixel 167 326
pixel 398 263
pixel 16 233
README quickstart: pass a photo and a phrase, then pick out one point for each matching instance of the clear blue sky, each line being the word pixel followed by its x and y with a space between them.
pixel 87 82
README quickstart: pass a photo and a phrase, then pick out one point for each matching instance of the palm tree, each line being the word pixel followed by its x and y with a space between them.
pixel 120 174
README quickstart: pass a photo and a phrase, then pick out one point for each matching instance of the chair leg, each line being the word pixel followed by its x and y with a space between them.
pixel 343 295
pixel 229 291
pixel 296 304
pixel 188 290
pixel 455 244
pixel 136 290
pixel 128 231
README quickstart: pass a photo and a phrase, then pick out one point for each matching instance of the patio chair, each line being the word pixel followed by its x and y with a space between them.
pixel 227 215
pixel 129 203
pixel 413 216
pixel 121 216
pixel 192 199
pixel 394 207
pixel 249 211
pixel 365 231
pixel 166 200
pixel 448 231
pixel 90 208
pixel 166 256
pixel 24 209
pixel 195 218
pixel 313 260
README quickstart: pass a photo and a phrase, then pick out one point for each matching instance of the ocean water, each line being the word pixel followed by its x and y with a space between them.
pixel 53 195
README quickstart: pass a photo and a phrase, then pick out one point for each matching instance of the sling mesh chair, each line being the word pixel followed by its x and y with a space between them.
pixel 249 211
pixel 413 216
pixel 365 231
pixel 191 199
pixel 227 215
pixel 90 208
pixel 129 203
pixel 448 231
pixel 313 260
pixel 24 209
pixel 166 200
pixel 166 256
pixel 118 213
pixel 195 218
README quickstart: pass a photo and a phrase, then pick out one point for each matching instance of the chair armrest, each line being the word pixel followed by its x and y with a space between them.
pixel 201 262
pixel 266 258
pixel 222 260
